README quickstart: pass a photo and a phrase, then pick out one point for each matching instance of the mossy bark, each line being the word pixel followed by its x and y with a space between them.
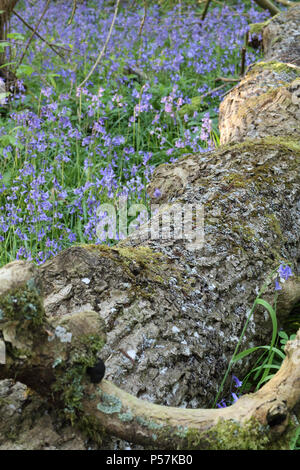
pixel 173 311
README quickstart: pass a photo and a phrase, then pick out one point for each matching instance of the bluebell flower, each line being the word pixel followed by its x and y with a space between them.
pixel 238 383
pixel 157 193
pixel 284 272
pixel 235 397
pixel 222 404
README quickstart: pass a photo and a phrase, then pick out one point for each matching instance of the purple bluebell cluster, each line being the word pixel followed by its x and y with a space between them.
pixel 284 272
pixel 234 397
pixel 65 150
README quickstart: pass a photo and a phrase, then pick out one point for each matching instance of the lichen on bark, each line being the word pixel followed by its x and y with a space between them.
pixel 172 314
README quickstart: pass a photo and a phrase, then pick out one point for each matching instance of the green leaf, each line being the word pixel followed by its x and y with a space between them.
pixel 7 177
pixel 245 353
pixel 282 334
pixel 12 139
pixel 6 65
pixel 272 315
pixel 24 70
pixel 293 442
pixel 4 140
pixel 16 36
pixel 264 379
pixel 50 77
pixel 266 366
pixel 3 45
pixel 3 96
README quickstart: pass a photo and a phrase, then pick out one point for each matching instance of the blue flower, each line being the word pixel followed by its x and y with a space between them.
pixel 285 272
pixel 222 404
pixel 235 397
pixel 238 383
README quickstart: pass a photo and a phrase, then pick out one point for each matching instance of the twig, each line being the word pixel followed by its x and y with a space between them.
pixel 286 3
pixel 73 12
pixel 210 92
pixel 228 91
pixel 130 8
pixel 144 18
pixel 33 33
pixel 41 37
pixel 205 10
pixel 127 355
pixel 134 70
pixel 243 61
pixel 228 80
pixel 268 5
pixel 103 49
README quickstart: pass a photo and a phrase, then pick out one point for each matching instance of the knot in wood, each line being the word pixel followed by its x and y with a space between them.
pixel 277 414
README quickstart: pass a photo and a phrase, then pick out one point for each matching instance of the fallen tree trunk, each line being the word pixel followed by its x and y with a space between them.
pixel 171 309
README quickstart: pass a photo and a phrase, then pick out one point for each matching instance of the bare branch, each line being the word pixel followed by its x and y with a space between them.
pixel 52 46
pixel 205 10
pixel 73 12
pixel 33 33
pixel 268 5
pixel 103 49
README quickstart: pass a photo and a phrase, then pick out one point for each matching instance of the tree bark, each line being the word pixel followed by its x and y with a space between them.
pixel 6 6
pixel 171 311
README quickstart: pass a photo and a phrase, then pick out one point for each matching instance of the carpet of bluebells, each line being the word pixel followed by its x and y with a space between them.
pixel 65 150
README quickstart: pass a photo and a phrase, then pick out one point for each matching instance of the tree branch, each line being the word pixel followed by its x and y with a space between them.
pixel 53 47
pixel 268 5
pixel 33 33
pixel 103 49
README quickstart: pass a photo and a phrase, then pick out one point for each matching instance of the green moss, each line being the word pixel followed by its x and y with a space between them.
pixel 88 348
pixel 23 303
pixel 69 389
pixel 288 142
pixel 148 264
pixel 275 225
pixel 91 427
pixel 70 375
pixel 144 256
pixel 257 28
pixel 291 70
pixel 231 435
pixel 245 231
pixel 256 146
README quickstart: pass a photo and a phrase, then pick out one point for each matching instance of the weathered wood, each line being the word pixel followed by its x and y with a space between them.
pixel 173 310
pixel 51 356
